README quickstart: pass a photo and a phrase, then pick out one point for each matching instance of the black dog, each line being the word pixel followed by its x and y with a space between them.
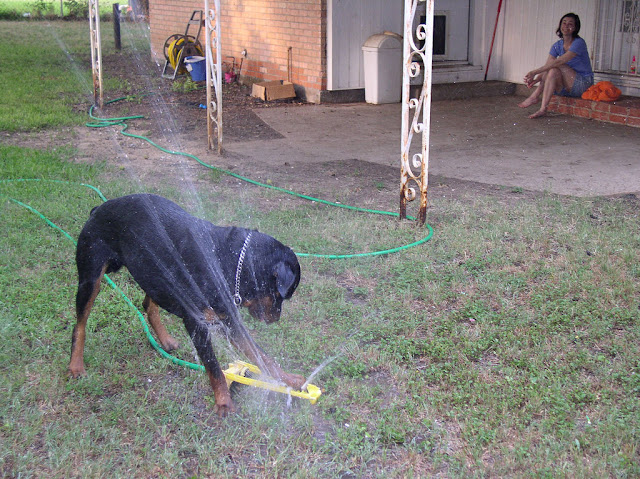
pixel 191 268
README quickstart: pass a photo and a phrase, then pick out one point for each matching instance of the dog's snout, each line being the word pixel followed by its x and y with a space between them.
pixel 265 309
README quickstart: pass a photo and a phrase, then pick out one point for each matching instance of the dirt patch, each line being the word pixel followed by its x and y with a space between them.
pixel 175 120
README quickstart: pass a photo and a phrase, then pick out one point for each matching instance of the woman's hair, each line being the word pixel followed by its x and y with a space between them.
pixel 576 19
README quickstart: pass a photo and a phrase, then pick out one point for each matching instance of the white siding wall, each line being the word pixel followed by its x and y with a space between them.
pixel 527 30
pixel 349 24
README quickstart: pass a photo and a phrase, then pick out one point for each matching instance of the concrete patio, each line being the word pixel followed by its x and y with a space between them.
pixel 484 139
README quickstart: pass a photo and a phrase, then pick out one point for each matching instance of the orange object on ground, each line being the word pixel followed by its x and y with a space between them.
pixel 602 91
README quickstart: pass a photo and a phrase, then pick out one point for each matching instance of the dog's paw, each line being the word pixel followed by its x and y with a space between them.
pixel 169 344
pixel 223 410
pixel 77 371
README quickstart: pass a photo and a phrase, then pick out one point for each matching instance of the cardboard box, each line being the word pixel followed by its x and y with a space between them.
pixel 273 90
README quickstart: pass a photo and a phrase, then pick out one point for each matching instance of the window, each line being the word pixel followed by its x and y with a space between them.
pixel 630 17
pixel 439 34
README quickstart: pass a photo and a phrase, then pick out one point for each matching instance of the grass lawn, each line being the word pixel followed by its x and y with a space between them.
pixel 51 84
pixel 507 346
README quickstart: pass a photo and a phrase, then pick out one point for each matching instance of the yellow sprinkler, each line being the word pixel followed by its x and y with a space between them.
pixel 237 373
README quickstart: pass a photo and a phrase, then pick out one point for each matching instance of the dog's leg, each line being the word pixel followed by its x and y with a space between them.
pixel 199 333
pixel 153 315
pixel 241 339
pixel 88 289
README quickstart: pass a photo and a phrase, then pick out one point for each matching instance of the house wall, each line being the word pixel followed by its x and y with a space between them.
pixel 315 29
pixel 524 34
pixel 283 40
pixel 481 27
pixel 349 24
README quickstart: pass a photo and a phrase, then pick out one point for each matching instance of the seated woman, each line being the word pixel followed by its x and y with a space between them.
pixel 567 71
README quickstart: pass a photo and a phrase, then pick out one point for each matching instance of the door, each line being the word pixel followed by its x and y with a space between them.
pixel 451 31
pixel 618 36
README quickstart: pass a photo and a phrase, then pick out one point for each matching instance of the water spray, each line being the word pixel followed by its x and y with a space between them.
pixel 241 372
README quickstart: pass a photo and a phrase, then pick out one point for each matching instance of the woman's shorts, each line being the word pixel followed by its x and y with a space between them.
pixel 580 85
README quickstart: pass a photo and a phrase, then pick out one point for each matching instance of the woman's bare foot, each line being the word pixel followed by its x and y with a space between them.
pixel 528 102
pixel 538 114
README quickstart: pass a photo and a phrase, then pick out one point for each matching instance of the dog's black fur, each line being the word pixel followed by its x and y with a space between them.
pixel 186 266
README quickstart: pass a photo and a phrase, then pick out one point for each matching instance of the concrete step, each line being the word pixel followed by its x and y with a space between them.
pixel 462 91
pixel 439 91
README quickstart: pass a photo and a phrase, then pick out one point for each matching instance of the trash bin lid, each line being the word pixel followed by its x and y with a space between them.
pixel 193 59
pixel 385 40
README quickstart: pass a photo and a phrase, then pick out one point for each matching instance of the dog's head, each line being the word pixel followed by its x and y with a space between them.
pixel 276 277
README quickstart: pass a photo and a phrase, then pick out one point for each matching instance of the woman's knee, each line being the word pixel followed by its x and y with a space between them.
pixel 554 73
pixel 556 79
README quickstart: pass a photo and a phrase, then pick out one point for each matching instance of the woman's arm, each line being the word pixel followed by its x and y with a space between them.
pixel 551 63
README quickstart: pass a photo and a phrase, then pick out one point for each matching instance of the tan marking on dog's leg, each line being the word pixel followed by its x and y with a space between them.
pixel 218 382
pixel 210 316
pixel 76 364
pixel 153 315
pixel 221 393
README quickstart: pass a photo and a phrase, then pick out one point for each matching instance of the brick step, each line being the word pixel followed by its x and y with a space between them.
pixel 624 111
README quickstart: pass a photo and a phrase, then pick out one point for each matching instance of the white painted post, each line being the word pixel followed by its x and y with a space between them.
pixel 213 57
pixel 414 173
pixel 96 51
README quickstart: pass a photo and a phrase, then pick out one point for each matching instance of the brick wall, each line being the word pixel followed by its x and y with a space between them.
pixel 625 111
pixel 283 39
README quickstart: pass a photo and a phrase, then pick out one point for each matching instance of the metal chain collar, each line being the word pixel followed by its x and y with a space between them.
pixel 236 295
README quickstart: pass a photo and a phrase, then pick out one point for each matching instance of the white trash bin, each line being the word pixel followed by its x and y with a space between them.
pixel 383 68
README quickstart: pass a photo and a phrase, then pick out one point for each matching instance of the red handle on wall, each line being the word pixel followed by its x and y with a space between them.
pixel 492 40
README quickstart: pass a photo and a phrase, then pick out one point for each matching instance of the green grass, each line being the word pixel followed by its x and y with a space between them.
pixel 42 85
pixel 507 346
pixel 50 85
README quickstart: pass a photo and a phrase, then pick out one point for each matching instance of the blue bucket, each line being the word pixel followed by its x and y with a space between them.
pixel 196 68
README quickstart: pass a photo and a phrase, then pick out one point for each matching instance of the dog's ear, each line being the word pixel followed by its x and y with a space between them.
pixel 285 279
